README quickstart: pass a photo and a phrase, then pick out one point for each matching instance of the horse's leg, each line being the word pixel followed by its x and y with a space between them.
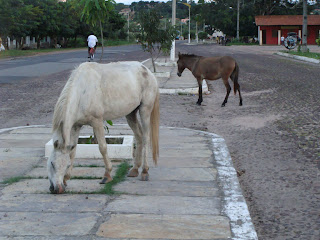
pixel 74 140
pixel 99 131
pixel 136 128
pixel 145 113
pixel 226 83
pixel 240 102
pixel 200 91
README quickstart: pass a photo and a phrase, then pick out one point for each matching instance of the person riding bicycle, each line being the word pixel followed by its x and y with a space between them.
pixel 92 44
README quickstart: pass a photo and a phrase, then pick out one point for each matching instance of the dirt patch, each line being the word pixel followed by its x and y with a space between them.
pixel 254 121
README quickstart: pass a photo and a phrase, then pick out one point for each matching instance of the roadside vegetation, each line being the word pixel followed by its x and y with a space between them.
pixel 22 53
pixel 68 23
pixel 308 54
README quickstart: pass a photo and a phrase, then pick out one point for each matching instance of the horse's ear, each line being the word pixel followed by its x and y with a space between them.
pixel 179 54
pixel 56 144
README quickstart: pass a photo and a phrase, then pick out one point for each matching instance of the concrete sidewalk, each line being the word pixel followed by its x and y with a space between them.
pixel 193 193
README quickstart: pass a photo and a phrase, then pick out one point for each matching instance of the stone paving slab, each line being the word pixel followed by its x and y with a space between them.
pixel 13 152
pixel 34 186
pixel 47 224
pixel 146 226
pixel 182 174
pixel 29 137
pixel 181 152
pixel 22 143
pixel 16 167
pixel 87 162
pixel 184 162
pixel 52 203
pixel 95 172
pixel 32 130
pixel 173 205
pixel 169 188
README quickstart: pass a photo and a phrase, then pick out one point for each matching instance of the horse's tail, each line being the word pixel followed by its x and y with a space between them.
pixel 154 133
pixel 234 77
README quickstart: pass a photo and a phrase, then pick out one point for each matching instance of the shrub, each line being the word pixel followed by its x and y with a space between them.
pixel 202 35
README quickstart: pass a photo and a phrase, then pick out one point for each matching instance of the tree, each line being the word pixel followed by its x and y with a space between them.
pixel 152 38
pixel 96 12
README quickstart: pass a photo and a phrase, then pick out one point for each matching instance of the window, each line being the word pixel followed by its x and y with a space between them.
pixel 274 33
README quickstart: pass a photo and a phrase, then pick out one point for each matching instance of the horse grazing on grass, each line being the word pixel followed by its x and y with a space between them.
pixel 97 92
pixel 211 68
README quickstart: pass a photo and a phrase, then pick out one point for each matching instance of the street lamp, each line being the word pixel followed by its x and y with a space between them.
pixel 173 47
pixel 128 27
pixel 238 16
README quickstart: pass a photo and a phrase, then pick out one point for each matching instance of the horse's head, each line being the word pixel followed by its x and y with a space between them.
pixel 57 165
pixel 180 64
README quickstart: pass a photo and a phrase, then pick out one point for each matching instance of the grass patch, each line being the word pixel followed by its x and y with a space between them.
pixel 88 166
pixel 84 177
pixel 119 177
pixel 304 54
pixel 22 53
pixel 183 93
pixel 15 179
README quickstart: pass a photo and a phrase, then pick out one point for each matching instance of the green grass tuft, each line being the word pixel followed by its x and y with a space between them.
pixel 15 179
pixel 304 54
pixel 119 177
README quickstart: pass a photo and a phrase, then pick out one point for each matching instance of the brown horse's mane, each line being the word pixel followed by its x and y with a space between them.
pixel 188 55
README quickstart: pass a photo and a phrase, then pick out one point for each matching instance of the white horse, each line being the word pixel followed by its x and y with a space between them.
pixel 97 92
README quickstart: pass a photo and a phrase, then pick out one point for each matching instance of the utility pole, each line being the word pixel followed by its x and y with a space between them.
pixel 189 6
pixel 304 47
pixel 173 47
pixel 238 19
pixel 128 27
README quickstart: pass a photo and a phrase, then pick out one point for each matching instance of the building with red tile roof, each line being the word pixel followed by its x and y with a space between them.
pixel 272 27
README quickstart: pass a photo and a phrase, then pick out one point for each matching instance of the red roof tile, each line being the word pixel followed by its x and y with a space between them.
pixel 285 20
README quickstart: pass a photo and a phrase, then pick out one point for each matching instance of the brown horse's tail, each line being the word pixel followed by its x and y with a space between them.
pixel 154 133
pixel 234 77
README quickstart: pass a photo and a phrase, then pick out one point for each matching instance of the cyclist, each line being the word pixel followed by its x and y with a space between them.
pixel 92 45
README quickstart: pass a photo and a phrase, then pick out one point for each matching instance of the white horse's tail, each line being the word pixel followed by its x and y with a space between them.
pixel 154 133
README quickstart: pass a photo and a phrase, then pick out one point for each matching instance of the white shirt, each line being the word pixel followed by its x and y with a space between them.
pixel 92 41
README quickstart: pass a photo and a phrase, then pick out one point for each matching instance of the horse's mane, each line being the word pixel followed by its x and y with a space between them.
pixel 61 105
pixel 188 55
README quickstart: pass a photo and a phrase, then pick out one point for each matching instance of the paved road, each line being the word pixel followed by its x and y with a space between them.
pixel 24 68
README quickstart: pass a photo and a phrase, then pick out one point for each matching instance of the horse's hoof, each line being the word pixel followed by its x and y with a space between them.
pixel 105 180
pixel 133 172
pixel 144 176
pixel 198 103
pixel 223 105
pixel 240 104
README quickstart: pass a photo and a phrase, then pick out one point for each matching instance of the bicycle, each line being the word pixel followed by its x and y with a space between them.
pixel 91 53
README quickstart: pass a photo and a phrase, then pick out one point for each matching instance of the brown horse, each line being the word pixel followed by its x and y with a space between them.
pixel 211 68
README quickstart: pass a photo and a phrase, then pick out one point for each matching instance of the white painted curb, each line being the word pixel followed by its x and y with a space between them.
pixel 306 59
pixel 234 205
pixel 205 90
